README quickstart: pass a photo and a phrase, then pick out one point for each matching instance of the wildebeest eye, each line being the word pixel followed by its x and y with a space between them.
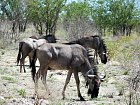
pixel 90 78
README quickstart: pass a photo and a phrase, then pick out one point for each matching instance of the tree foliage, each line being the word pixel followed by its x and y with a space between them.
pixel 14 10
pixel 119 16
pixel 99 14
pixel 44 13
pixel 75 17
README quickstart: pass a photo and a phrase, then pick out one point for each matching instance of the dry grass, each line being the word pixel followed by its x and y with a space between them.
pixel 126 50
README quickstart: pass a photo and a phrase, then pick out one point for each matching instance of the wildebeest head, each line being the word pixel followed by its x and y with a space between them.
pixel 93 83
pixel 102 52
pixel 103 56
pixel 50 38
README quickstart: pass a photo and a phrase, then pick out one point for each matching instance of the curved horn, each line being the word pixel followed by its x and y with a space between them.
pixel 104 53
pixel 91 76
pixel 102 76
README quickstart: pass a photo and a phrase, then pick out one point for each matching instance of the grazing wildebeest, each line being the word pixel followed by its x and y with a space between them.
pixel 29 44
pixel 64 57
pixel 25 49
pixel 96 43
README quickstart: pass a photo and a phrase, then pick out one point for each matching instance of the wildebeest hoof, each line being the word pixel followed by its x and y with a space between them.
pixel 82 99
pixel 63 98
pixel 35 96
pixel 93 96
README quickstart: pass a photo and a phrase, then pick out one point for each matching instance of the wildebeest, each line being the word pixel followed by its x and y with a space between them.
pixel 64 57
pixel 96 43
pixel 25 49
pixel 50 38
pixel 29 44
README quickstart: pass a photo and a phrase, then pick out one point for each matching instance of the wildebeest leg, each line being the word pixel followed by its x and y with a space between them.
pixel 37 76
pixel 96 56
pixel 77 83
pixel 30 60
pixel 22 65
pixel 66 83
pixel 30 55
pixel 22 62
pixel 44 75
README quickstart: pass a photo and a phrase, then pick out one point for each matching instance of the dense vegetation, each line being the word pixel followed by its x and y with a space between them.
pixel 116 16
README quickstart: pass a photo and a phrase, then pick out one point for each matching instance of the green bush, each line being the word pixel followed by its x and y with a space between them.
pixel 121 47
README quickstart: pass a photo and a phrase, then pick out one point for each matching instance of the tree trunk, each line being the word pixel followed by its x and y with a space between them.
pixel 114 31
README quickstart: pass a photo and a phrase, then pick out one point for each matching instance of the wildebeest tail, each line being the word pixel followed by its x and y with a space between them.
pixel 33 71
pixel 19 52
